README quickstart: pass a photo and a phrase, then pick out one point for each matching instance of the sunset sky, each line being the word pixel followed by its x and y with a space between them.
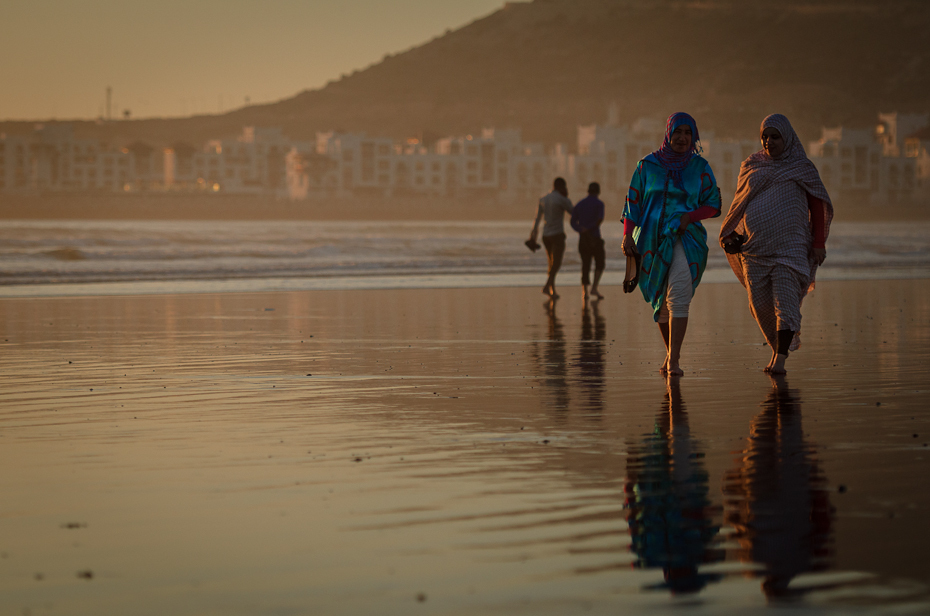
pixel 183 57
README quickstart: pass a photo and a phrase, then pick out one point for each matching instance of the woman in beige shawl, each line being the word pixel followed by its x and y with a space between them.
pixel 775 234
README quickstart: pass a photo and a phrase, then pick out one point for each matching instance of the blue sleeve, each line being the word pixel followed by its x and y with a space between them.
pixel 633 206
pixel 710 192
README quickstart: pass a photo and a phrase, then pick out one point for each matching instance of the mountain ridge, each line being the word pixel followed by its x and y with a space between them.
pixel 548 65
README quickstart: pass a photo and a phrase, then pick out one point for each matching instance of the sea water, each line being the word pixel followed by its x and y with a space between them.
pixel 117 257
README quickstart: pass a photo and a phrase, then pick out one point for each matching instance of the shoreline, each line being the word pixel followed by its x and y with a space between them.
pixel 350 283
pixel 254 208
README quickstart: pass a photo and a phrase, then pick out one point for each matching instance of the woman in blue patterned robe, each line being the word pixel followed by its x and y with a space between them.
pixel 672 190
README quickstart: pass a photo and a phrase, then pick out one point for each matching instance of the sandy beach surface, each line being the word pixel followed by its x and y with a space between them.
pixel 461 451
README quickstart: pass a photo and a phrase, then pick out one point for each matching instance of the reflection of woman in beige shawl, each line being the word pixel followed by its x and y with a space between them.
pixel 775 233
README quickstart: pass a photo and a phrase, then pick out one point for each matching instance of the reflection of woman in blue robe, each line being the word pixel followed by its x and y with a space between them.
pixel 776 498
pixel 667 506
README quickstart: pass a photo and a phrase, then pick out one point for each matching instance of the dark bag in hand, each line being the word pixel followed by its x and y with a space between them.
pixel 734 243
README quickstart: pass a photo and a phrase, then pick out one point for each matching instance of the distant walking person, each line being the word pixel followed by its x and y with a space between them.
pixel 775 234
pixel 672 190
pixel 586 220
pixel 553 207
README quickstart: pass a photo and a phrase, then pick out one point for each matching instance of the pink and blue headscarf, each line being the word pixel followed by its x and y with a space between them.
pixel 675 162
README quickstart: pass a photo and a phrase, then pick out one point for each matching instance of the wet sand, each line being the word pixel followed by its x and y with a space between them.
pixel 461 452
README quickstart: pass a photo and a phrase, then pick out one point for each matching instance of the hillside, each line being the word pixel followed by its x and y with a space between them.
pixel 549 65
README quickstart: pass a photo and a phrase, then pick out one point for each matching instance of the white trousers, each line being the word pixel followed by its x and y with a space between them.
pixel 680 287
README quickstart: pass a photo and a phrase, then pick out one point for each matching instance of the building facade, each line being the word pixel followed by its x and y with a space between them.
pixel 889 164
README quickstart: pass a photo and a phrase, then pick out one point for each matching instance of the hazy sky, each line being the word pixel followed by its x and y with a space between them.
pixel 180 57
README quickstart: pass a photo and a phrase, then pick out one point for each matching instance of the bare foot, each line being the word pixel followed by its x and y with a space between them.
pixel 673 368
pixel 596 294
pixel 768 368
pixel 663 369
pixel 546 290
pixel 778 367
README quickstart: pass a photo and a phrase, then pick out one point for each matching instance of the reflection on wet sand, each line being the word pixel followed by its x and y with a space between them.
pixel 667 507
pixel 553 363
pixel 590 358
pixel 776 498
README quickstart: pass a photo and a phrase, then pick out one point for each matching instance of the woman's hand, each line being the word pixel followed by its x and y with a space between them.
pixel 732 243
pixel 683 225
pixel 628 246
pixel 819 255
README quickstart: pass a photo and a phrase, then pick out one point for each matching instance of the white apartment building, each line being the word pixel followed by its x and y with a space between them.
pixel 852 162
pixel 252 163
pixel 52 159
pixel 497 162
pixel 917 146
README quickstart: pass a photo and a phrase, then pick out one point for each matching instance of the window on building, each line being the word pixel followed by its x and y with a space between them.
pixel 471 150
pixel 471 179
pixel 846 152
pixel 487 170
pixel 384 149
pixel 383 179
pixel 582 173
pixel 862 153
pixel 894 176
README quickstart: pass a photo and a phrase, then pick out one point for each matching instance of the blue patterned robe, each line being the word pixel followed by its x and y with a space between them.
pixel 655 206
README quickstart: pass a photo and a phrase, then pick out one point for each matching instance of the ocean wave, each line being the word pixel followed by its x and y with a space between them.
pixel 36 252
pixel 65 254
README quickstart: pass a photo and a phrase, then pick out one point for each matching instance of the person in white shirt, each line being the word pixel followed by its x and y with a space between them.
pixel 553 208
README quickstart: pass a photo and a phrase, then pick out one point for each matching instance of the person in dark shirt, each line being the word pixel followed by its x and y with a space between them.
pixel 587 217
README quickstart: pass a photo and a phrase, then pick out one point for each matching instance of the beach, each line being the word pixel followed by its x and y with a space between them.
pixel 461 451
